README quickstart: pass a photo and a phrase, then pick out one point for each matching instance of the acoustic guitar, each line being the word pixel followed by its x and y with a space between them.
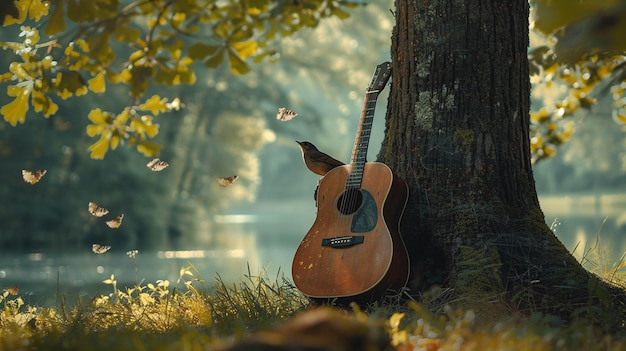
pixel 354 251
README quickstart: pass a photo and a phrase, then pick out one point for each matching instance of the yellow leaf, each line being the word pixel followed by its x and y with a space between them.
pixel 122 118
pixel 148 148
pixel 95 129
pixel 540 116
pixel 22 6
pixel 399 338
pixel 619 116
pixel 115 140
pixel 245 49
pixel 100 147
pixel 19 71
pixel 96 84
pixel 6 77
pixel 15 111
pixel 135 56
pixel 81 91
pixel 605 71
pixel 38 9
pixel 394 321
pixel 83 45
pixel 97 116
pixel 549 151
pixel 154 105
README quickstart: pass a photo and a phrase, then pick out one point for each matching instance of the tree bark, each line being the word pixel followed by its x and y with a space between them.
pixel 457 133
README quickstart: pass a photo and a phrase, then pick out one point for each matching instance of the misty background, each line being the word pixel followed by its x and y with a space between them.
pixel 228 125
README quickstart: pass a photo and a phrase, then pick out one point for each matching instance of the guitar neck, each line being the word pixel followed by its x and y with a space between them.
pixel 359 152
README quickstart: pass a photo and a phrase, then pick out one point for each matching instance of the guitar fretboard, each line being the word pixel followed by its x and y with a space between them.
pixel 359 152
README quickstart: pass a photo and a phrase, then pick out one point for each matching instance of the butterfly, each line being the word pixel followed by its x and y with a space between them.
pixel 97 210
pixel 100 249
pixel 115 222
pixel 285 114
pixel 157 165
pixel 175 105
pixel 227 181
pixel 33 177
pixel 13 290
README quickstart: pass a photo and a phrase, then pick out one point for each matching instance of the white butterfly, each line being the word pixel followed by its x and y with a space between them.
pixel 33 177
pixel 227 181
pixel 157 165
pixel 285 114
pixel 100 249
pixel 115 222
pixel 96 210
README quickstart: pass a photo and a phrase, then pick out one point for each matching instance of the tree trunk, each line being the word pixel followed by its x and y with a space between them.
pixel 457 133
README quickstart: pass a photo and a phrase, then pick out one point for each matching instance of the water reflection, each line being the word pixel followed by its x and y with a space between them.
pixel 260 237
pixel 582 219
pixel 241 242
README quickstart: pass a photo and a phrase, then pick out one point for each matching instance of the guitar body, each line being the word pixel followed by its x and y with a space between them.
pixel 354 250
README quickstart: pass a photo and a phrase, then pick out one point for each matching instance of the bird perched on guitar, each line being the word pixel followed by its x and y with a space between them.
pixel 317 161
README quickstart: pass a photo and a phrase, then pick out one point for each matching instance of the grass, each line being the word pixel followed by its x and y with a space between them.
pixel 159 316
pixel 191 314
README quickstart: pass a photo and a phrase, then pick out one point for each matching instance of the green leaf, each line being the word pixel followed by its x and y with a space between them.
pixel 43 103
pixel 199 51
pixel 216 59
pixel 70 83
pixel 126 34
pixel 237 65
pixel 336 11
pixel 553 14
pixel 74 11
pixel 56 21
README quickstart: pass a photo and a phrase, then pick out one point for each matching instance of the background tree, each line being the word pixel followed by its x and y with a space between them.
pixel 576 58
pixel 457 132
pixel 219 132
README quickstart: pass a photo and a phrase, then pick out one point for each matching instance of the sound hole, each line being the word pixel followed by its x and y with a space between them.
pixel 349 201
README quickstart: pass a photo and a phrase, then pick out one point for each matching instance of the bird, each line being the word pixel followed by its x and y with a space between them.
pixel 317 161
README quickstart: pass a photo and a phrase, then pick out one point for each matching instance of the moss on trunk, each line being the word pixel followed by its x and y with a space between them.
pixel 457 133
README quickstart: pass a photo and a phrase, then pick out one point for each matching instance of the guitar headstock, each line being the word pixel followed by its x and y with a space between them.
pixel 380 78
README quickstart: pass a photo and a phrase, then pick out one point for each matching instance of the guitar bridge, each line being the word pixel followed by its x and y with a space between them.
pixel 343 241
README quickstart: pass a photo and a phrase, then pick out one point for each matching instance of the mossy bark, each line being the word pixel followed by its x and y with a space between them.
pixel 457 133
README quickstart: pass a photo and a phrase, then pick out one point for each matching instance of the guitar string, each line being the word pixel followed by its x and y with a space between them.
pixel 350 200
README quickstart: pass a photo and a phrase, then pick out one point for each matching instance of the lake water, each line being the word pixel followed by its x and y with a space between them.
pixel 257 239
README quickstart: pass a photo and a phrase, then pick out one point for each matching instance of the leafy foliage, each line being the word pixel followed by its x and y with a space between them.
pixel 138 44
pixel 581 48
